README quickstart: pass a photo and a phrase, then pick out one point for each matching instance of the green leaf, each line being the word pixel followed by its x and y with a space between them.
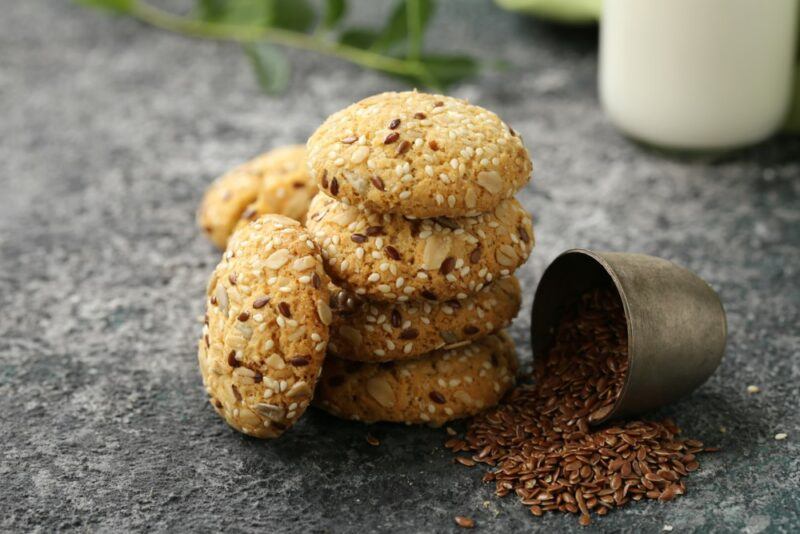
pixel 334 11
pixel 396 30
pixel 441 71
pixel 296 15
pixel 270 65
pixel 358 37
pixel 119 6
pixel 449 69
pixel 211 10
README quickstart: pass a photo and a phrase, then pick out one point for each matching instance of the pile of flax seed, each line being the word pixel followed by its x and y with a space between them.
pixel 541 441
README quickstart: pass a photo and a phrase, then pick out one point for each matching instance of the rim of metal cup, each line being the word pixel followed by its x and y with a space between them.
pixel 554 294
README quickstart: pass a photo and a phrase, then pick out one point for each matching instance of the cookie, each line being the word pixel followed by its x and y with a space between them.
pixel 268 183
pixel 418 154
pixel 439 387
pixel 286 188
pixel 266 327
pixel 392 258
pixel 383 331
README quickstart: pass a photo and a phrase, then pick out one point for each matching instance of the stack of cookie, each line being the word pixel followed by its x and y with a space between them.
pixel 421 235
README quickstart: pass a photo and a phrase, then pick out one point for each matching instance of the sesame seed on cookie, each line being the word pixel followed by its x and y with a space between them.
pixel 434 389
pixel 386 257
pixel 384 331
pixel 266 327
pixel 418 154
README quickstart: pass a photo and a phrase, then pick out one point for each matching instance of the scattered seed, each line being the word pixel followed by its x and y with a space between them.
pixel 244 316
pixel 753 389
pixel 394 124
pixel 334 187
pixel 350 139
pixel 372 440
pixel 539 442
pixel 391 138
pixel 464 522
pixel 285 310
pixel 403 147
pixel 358 238
pixel 781 436
pixel 419 115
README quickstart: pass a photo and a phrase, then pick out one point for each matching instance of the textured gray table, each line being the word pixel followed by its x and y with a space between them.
pixel 108 133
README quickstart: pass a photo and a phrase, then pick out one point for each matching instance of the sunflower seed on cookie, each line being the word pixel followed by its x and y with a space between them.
pixel 386 257
pixel 266 329
pixel 438 387
pixel 383 331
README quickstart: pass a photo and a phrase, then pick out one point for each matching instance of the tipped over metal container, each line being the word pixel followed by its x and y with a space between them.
pixel 675 321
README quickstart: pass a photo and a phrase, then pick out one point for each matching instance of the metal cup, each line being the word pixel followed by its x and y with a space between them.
pixel 676 323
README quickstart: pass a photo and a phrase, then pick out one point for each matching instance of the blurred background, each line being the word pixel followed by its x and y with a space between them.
pixel 674 139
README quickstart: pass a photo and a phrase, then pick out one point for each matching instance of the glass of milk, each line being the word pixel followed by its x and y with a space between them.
pixel 697 74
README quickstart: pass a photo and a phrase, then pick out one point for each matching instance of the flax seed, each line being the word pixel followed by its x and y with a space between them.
pixel 378 183
pixel 542 442
pixel 464 522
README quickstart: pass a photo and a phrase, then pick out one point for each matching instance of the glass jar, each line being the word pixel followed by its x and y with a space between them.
pixel 697 74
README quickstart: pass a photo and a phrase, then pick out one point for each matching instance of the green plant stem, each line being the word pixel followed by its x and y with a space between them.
pixel 251 34
pixel 413 9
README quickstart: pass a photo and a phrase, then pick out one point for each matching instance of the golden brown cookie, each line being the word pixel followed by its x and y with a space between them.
pixel 383 331
pixel 269 183
pixel 418 154
pixel 266 327
pixel 392 258
pixel 287 188
pixel 439 387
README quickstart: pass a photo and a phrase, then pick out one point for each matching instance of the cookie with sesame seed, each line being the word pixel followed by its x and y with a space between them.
pixel 418 154
pixel 387 257
pixel 266 327
pixel 384 331
pixel 439 387
pixel 274 182
pixel 287 189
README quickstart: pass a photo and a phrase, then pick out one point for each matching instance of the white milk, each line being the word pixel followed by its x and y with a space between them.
pixel 697 74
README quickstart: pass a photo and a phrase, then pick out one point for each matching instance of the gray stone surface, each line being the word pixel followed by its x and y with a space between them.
pixel 109 131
